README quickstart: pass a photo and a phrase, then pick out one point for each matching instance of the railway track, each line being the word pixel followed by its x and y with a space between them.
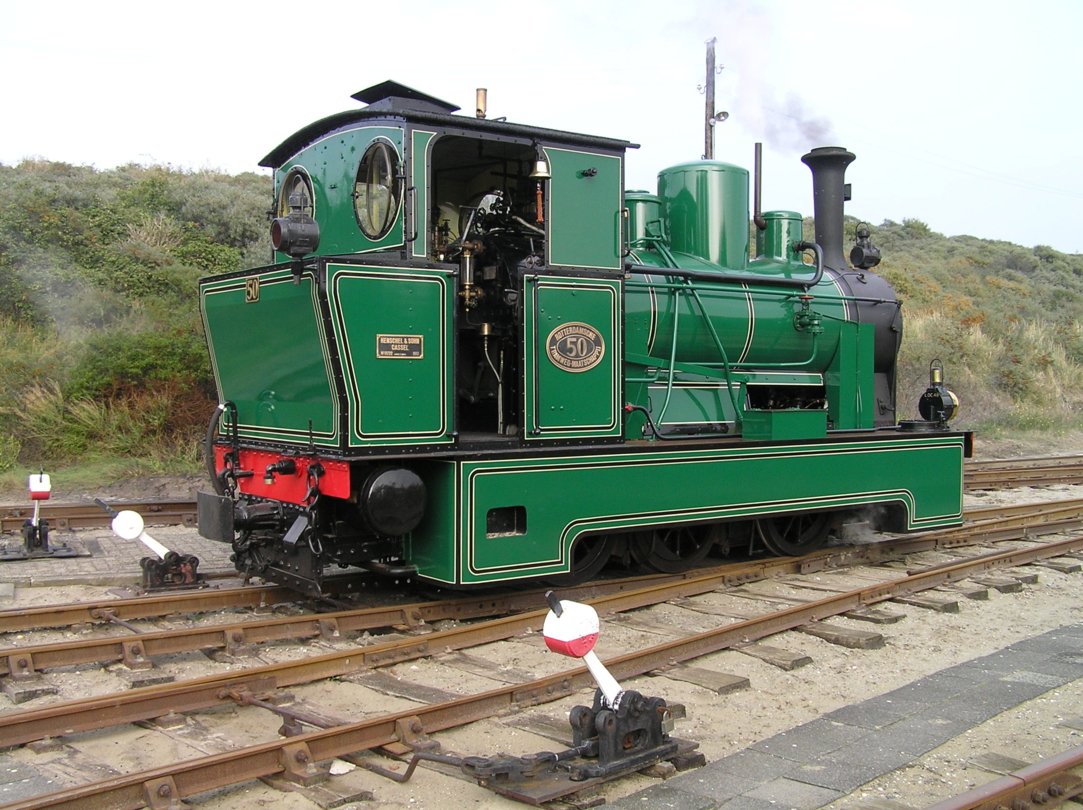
pixel 295 756
pixel 232 633
pixel 1033 471
pixel 89 515
pixel 977 475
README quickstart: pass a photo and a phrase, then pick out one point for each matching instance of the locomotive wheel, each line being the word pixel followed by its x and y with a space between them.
pixel 672 549
pixel 589 556
pixel 794 535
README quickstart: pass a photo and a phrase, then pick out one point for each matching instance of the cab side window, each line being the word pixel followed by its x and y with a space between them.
pixel 377 190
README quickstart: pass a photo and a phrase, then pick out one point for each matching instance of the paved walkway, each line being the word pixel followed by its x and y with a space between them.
pixel 105 558
pixel 829 758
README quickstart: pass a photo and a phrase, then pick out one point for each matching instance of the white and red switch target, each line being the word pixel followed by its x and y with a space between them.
pixel 571 628
pixel 41 487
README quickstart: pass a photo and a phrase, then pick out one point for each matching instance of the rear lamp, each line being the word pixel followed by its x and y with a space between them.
pixel 297 237
pixel 296 234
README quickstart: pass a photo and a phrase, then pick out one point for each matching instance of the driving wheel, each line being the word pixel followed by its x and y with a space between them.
pixel 794 535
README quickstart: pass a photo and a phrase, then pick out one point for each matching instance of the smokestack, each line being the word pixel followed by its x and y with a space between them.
pixel 829 192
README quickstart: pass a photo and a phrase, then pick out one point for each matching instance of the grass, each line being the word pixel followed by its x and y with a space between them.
pixel 1022 381
pixel 96 477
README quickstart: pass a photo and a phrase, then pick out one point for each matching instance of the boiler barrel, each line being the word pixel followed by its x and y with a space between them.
pixel 755 324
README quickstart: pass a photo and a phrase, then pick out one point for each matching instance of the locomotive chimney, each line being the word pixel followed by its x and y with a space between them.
pixel 829 192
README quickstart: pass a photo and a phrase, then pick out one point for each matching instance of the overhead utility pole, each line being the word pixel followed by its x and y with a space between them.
pixel 711 117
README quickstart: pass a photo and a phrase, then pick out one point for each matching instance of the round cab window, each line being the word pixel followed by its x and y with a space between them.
pixel 296 190
pixel 376 191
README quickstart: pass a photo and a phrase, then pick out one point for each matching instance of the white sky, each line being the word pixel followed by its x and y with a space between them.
pixel 963 113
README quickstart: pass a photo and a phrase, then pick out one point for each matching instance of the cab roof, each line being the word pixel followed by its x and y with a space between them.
pixel 390 100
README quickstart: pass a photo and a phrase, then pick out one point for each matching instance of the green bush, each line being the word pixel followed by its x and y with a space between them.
pixel 198 249
pixel 148 424
pixel 101 346
pixel 119 364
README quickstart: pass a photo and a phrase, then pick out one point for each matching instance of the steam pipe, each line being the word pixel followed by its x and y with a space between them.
pixel 818 252
pixel 208 450
pixel 708 134
pixel 757 207
pixel 728 278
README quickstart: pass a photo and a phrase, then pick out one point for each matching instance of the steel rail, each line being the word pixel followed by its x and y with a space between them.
pixel 294 757
pixel 17 620
pixel 104 611
pixel 152 701
pixel 89 515
pixel 1006 473
pixel 1042 518
pixel 136 650
pixel 74 716
pixel 995 479
pixel 1008 510
pixel 1024 462
pixel 139 647
pixel 1048 782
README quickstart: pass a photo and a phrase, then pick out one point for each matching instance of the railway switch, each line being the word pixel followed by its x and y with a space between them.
pixel 169 569
pixel 621 733
pixel 35 529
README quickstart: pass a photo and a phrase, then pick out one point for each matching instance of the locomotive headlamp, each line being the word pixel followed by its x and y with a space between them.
pixel 938 404
pixel 864 255
pixel 296 234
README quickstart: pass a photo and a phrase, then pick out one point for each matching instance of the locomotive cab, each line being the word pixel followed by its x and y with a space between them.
pixel 466 223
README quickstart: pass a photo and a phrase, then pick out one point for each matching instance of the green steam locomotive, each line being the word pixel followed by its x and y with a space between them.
pixel 477 359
